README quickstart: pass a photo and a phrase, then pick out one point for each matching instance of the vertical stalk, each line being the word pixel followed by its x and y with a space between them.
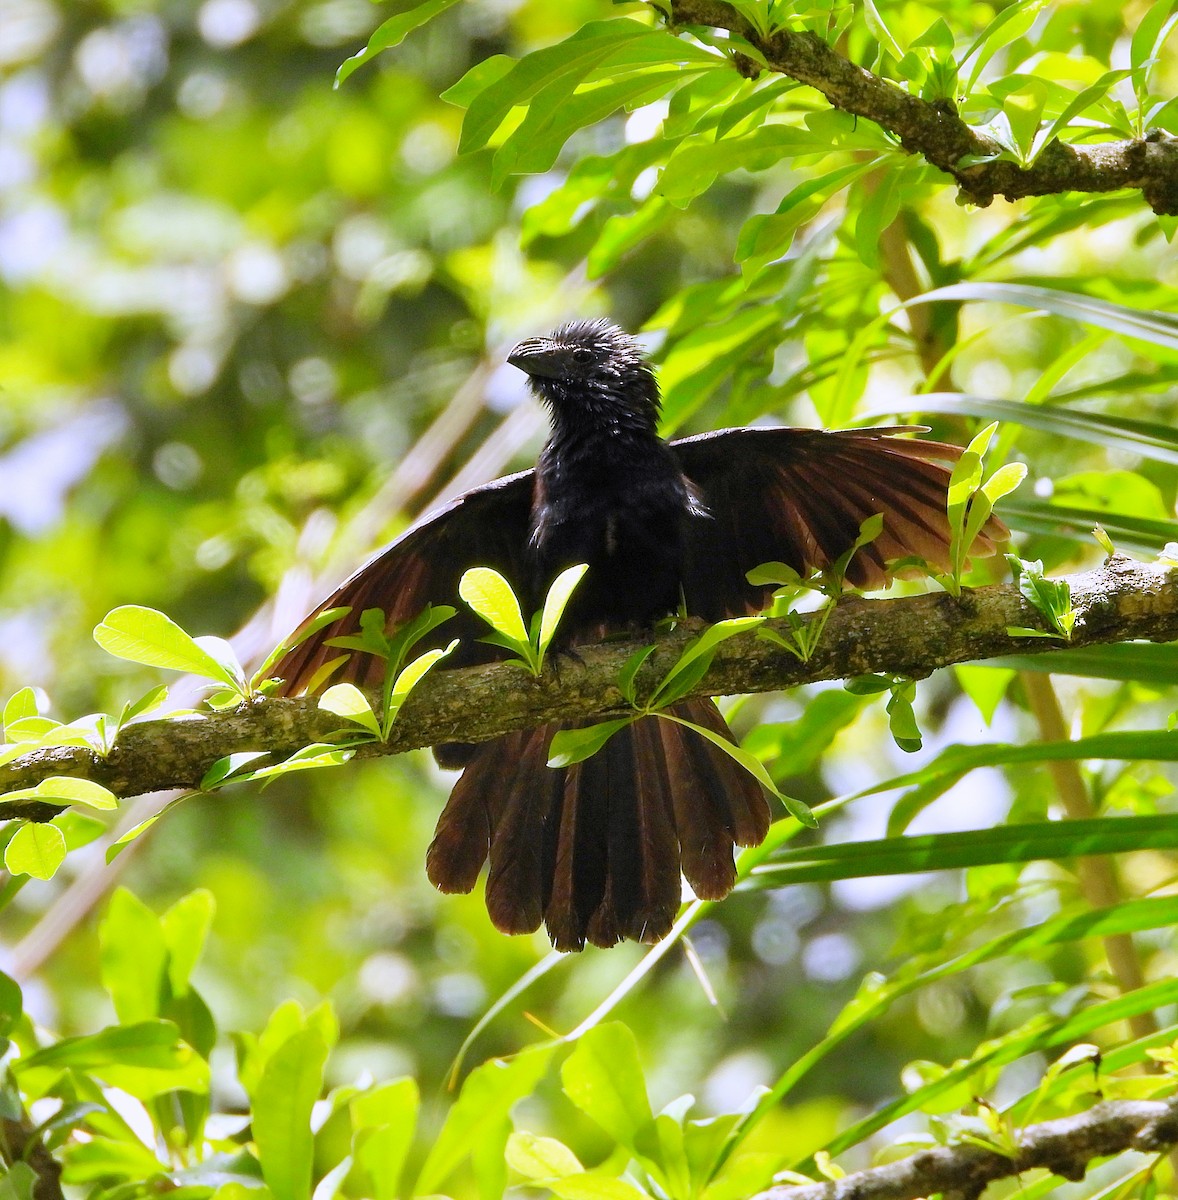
pixel 1098 880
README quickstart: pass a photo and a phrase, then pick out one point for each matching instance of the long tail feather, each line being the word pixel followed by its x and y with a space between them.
pixel 516 895
pixel 595 850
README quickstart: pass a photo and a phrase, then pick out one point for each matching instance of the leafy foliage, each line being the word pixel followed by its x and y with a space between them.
pixel 248 325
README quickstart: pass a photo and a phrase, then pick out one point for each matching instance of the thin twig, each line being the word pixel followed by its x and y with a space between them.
pixel 933 129
pixel 910 636
pixel 1066 1147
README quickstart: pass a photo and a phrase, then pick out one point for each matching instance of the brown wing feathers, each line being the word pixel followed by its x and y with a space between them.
pixel 799 496
pixel 595 851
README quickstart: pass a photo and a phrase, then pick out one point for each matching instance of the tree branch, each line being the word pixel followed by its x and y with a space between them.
pixel 910 636
pixel 934 130
pixel 1065 1147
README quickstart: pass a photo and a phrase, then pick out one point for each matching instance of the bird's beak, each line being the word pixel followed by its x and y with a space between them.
pixel 539 357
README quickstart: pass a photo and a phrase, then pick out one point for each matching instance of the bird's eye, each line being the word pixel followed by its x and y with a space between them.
pixel 582 354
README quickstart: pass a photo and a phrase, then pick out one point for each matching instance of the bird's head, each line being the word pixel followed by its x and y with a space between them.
pixel 590 369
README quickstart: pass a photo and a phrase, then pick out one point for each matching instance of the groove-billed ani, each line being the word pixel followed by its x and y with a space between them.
pixel 595 850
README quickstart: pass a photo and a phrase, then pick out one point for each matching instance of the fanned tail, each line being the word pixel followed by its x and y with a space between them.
pixel 595 850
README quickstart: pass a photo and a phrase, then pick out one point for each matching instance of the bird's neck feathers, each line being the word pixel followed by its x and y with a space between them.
pixel 623 408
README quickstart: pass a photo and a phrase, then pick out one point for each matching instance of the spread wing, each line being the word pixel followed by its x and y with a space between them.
pixel 488 526
pixel 798 496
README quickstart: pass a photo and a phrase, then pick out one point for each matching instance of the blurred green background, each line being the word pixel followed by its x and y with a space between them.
pixel 251 325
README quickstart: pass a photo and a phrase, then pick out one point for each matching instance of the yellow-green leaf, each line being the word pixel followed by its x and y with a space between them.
pixel 490 595
pixel 145 636
pixel 36 849
pixel 348 701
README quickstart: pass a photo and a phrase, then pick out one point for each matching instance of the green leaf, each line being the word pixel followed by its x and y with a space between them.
pixel 1010 24
pixel 409 678
pixel 693 663
pixel 880 31
pixel 477 1120
pixel 570 746
pixel 1156 666
pixel 1150 33
pixel 540 1158
pixel 1052 598
pixel 309 758
pixel 765 237
pixel 1004 481
pixel 1023 106
pixel 589 47
pixel 151 699
pixel 146 636
pixel 488 1163
pixel 661 1151
pixel 491 597
pixel 11 1004
pixel 185 927
pixel 409 634
pixel 329 1186
pixel 79 829
pixel 773 574
pixel 484 73
pixel 621 233
pixel 18 1182
pixel 594 1185
pixel 384 1119
pixel 222 653
pixel 228 766
pixel 119 845
pixel 877 209
pixel 134 957
pixel 348 701
pixel 282 1101
pixel 1019 843
pixel 1084 100
pixel 149 1046
pixel 603 1078
pixel 557 112
pixel 36 849
pixel 20 704
pixel 557 601
pixel 1038 1036
pixel 68 789
pixel 316 623
pixel 392 33
pixel 704 359
pixel 867 685
pixel 1155 327
pixel 902 720
pixel 1150 439
pixel 984 685
pixel 796 746
pixel 877 995
pixel 799 811
pixel 629 673
pixel 102 1159
pixel 1071 521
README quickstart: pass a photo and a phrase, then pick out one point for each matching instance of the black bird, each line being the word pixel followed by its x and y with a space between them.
pixel 595 850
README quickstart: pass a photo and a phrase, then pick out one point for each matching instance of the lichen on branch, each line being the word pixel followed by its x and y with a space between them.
pixel 910 636
pixel 936 132
pixel 1066 1146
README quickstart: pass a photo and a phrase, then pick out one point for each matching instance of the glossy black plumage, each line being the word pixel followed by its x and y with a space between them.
pixel 594 851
